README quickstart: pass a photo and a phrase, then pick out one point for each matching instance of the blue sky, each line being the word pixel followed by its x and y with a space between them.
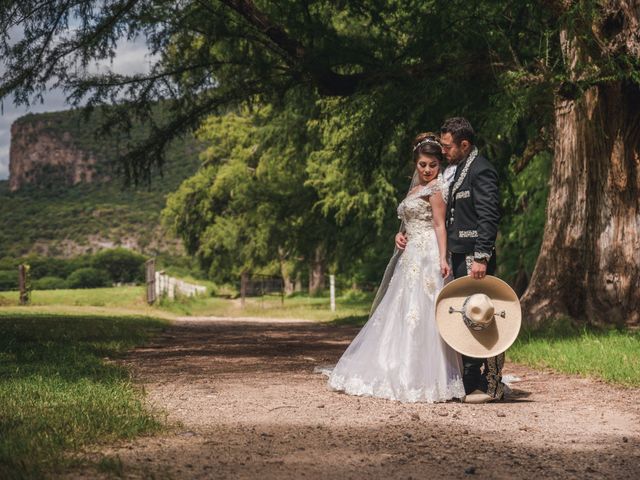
pixel 131 57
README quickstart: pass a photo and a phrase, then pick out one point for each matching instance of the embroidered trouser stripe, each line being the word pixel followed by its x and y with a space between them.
pixel 490 379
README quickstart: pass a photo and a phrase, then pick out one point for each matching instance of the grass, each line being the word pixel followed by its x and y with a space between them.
pixel 610 355
pixel 132 297
pixel 297 306
pixel 59 391
pixel 130 300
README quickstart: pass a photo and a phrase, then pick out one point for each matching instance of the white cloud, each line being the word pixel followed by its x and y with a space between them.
pixel 131 57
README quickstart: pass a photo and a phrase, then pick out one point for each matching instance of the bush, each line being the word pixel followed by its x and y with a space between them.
pixel 9 263
pixel 121 264
pixel 88 278
pixel 9 280
pixel 49 283
pixel 355 296
pixel 55 267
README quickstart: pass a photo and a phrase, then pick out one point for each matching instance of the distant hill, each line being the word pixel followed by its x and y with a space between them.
pixel 63 197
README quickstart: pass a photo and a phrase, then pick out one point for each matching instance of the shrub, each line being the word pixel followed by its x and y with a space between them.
pixel 49 283
pixel 354 296
pixel 122 265
pixel 9 263
pixel 54 267
pixel 88 278
pixel 9 279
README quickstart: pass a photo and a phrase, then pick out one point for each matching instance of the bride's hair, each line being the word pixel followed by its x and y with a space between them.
pixel 427 143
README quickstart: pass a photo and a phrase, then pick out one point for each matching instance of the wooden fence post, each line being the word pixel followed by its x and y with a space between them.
pixel 24 284
pixel 244 280
pixel 150 277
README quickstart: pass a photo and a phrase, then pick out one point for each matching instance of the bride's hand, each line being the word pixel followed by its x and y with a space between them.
pixel 401 241
pixel 445 269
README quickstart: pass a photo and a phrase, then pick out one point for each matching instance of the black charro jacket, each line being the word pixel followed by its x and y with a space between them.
pixel 473 208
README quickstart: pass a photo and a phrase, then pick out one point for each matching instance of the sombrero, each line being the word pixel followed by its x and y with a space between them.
pixel 478 318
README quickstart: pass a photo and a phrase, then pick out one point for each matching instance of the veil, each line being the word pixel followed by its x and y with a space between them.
pixel 391 266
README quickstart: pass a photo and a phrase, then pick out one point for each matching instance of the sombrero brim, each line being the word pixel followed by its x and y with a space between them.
pixel 484 343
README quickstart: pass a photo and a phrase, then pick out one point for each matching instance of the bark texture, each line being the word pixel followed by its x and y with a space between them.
pixel 589 263
pixel 317 270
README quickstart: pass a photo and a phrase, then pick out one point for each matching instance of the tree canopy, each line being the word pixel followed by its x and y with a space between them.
pixel 389 65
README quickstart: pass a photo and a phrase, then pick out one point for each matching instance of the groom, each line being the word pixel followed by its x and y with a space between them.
pixel 473 213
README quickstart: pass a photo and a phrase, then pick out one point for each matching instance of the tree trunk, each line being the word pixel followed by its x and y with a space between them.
pixel 589 263
pixel 287 281
pixel 316 271
pixel 244 282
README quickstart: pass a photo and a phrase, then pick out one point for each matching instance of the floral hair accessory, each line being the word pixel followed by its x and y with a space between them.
pixel 431 140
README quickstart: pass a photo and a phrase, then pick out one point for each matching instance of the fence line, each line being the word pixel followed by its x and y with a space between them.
pixel 170 286
pixel 160 284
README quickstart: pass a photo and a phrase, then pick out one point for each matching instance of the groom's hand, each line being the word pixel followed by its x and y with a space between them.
pixel 401 241
pixel 478 270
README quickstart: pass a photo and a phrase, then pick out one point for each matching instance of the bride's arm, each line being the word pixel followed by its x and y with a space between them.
pixel 439 208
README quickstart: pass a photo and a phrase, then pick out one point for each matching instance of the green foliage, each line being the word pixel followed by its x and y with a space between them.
pixel 313 153
pixel 49 283
pixel 42 266
pixel 248 207
pixel 57 393
pixel 390 75
pixel 9 263
pixel 522 227
pixel 122 265
pixel 88 278
pixel 9 279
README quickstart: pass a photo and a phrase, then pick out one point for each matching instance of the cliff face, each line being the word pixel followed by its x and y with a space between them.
pixel 39 153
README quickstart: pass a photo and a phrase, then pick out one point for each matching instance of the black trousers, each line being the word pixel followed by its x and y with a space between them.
pixel 474 377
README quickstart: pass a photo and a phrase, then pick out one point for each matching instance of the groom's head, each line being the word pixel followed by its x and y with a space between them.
pixel 457 137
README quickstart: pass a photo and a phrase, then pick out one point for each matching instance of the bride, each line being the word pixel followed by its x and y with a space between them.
pixel 399 354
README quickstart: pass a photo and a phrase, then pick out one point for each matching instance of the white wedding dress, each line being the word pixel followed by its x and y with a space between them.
pixel 399 354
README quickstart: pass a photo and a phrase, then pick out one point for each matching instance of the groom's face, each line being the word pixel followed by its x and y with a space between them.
pixel 453 152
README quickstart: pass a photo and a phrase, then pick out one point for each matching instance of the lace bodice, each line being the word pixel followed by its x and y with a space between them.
pixel 415 210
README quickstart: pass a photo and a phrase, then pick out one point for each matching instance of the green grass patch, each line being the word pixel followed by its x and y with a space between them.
pixel 129 296
pixel 609 355
pixel 274 306
pixel 59 391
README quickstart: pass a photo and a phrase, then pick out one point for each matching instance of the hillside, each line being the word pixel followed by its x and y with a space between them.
pixel 67 198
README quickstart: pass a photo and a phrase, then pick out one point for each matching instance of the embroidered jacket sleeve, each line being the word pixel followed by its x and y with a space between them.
pixel 487 205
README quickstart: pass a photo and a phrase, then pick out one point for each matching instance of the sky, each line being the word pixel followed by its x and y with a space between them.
pixel 131 57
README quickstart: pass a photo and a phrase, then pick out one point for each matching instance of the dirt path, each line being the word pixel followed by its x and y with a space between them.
pixel 250 406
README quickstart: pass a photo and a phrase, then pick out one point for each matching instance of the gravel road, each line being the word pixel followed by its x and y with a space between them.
pixel 247 404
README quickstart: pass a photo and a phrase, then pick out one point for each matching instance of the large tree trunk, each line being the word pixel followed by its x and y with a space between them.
pixel 589 263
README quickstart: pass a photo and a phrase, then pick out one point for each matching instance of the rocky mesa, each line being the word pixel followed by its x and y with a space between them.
pixel 40 153
pixel 64 196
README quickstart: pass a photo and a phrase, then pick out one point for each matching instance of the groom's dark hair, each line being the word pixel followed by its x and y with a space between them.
pixel 460 129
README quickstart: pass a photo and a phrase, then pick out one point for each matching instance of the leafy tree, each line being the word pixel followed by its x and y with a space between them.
pixel 49 283
pixel 248 209
pixel 88 278
pixel 123 265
